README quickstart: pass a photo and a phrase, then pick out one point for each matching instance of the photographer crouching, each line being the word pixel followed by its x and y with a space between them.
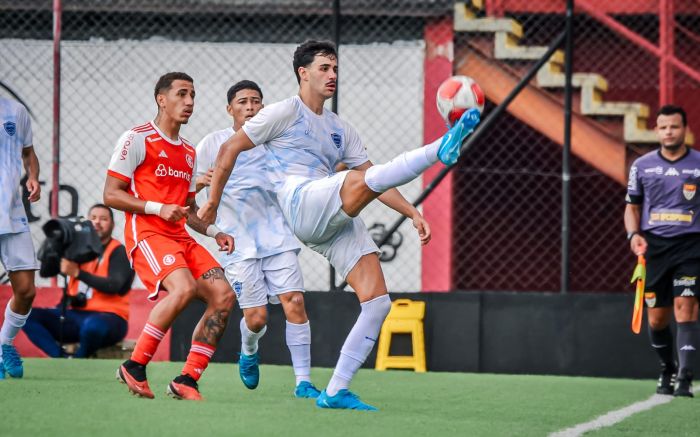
pixel 97 298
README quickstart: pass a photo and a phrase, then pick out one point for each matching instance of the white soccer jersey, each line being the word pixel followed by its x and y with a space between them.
pixel 15 135
pixel 248 210
pixel 303 144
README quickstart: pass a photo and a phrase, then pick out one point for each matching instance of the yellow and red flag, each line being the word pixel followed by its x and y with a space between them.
pixel 639 275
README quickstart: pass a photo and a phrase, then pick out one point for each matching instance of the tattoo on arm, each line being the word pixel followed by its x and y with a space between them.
pixel 192 220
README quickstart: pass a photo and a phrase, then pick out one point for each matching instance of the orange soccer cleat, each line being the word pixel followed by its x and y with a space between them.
pixel 133 375
pixel 184 387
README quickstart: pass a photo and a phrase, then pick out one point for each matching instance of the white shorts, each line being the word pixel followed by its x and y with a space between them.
pixel 257 280
pixel 17 252
pixel 317 219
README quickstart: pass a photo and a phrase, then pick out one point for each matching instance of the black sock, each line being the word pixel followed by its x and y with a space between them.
pixel 662 342
pixel 687 344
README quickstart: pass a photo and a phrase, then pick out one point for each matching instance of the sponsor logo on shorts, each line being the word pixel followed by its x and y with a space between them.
pixel 689 191
pixel 687 293
pixel 168 260
pixel 189 160
pixel 10 128
pixel 162 171
pixel 687 347
pixel 238 288
pixel 684 281
pixel 650 299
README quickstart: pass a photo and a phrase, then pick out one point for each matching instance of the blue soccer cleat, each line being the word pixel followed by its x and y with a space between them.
pixel 249 370
pixel 343 400
pixel 451 144
pixel 12 361
pixel 2 371
pixel 306 390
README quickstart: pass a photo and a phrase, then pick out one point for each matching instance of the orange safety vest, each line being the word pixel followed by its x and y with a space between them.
pixel 99 301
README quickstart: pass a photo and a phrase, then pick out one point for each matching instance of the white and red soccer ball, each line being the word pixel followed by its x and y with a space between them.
pixel 458 94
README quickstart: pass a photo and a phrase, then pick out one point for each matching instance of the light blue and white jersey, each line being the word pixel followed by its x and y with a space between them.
pixel 15 135
pixel 302 145
pixel 248 210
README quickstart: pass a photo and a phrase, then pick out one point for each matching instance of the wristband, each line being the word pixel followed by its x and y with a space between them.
pixel 212 231
pixel 630 235
pixel 152 208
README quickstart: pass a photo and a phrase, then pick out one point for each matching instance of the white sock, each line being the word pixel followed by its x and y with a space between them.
pixel 249 339
pixel 359 343
pixel 11 326
pixel 299 344
pixel 402 169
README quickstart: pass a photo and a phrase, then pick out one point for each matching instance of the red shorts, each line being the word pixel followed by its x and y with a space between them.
pixel 157 256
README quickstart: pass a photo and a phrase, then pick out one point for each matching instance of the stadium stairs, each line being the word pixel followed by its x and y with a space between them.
pixel 604 134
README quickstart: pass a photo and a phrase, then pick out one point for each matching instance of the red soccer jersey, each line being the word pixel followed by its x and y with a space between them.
pixel 158 169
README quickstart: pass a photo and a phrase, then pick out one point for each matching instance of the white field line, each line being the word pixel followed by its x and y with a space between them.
pixel 616 416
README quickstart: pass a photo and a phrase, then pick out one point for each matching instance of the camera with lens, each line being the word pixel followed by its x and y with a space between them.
pixel 74 239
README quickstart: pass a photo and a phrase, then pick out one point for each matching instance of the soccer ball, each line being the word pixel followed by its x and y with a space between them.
pixel 458 94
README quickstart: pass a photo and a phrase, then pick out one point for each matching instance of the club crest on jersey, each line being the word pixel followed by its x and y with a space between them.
pixel 189 160
pixel 689 191
pixel 238 288
pixel 337 140
pixel 10 128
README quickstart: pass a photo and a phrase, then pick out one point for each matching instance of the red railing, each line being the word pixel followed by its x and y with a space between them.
pixel 599 10
pixel 664 51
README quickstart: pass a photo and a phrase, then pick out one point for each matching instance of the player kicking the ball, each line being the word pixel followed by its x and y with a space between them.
pixel 150 178
pixel 303 144
pixel 264 265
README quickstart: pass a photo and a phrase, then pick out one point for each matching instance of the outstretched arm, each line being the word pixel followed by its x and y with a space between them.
pixel 225 161
pixel 395 200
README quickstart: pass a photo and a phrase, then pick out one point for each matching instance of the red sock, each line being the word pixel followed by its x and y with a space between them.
pixel 147 344
pixel 198 359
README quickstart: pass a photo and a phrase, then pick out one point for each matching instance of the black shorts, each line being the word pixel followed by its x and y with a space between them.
pixel 673 269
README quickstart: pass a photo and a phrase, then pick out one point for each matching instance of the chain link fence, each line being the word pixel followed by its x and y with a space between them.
pixel 499 215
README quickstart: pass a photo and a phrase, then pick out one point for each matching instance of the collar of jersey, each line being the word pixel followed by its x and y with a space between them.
pixel 307 109
pixel 165 137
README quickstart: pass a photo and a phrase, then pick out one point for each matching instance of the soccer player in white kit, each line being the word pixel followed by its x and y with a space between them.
pixel 16 246
pixel 264 265
pixel 303 144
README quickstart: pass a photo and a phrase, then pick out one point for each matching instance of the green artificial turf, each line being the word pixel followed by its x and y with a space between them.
pixel 82 397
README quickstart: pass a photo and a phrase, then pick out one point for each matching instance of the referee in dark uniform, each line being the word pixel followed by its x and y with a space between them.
pixel 661 218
